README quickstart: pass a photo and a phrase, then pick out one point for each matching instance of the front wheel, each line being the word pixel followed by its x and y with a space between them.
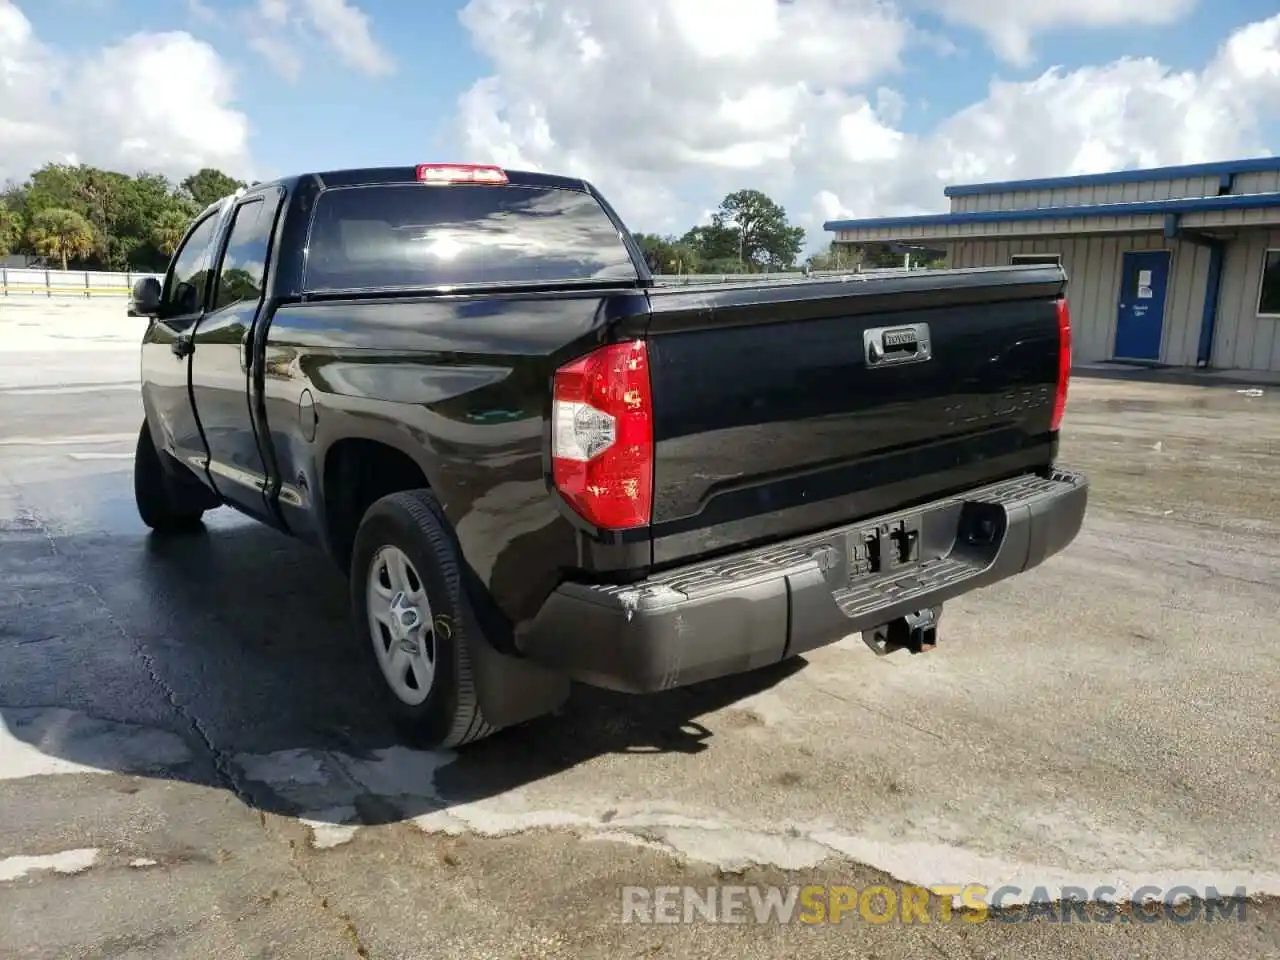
pixel 408 600
pixel 158 506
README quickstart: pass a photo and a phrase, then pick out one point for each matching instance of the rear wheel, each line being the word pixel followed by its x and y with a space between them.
pixel 153 491
pixel 408 599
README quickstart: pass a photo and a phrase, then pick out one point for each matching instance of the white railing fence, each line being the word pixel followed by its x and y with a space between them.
pixel 34 282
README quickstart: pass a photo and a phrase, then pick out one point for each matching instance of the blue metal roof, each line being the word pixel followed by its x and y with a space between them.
pixel 1140 208
pixel 1224 168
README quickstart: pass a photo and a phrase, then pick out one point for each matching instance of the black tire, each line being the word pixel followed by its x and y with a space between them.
pixel 413 522
pixel 153 492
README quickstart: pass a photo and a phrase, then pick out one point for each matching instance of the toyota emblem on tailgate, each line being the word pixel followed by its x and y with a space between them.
pixel 885 346
pixel 893 339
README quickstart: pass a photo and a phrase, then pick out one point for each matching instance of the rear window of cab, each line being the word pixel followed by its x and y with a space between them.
pixel 406 236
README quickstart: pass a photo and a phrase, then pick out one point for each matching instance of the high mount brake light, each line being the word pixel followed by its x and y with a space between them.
pixel 446 173
pixel 602 436
pixel 1064 363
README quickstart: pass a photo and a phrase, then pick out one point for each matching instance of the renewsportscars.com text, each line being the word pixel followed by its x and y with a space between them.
pixel 905 903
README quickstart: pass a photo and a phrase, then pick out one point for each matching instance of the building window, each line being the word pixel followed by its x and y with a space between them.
pixel 1041 258
pixel 1269 287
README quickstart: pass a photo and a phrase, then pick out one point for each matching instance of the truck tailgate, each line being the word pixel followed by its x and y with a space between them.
pixel 781 408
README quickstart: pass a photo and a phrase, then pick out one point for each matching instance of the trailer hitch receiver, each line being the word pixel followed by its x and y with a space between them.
pixel 916 632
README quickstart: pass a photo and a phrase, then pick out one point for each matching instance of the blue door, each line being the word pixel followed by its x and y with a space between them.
pixel 1140 323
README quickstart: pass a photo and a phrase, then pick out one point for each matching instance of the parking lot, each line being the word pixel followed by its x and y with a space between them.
pixel 193 765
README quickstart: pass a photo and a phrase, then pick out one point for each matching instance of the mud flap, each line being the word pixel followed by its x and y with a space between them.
pixel 512 690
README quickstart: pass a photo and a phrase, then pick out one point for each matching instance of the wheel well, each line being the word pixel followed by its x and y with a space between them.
pixel 356 474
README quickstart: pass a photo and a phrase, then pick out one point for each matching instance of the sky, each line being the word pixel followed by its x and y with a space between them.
pixel 836 108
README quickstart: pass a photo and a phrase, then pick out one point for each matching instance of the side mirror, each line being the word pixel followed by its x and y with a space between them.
pixel 145 299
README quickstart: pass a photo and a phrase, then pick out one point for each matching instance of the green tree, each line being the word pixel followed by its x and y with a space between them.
pixel 168 229
pixel 209 186
pixel 94 194
pixel 667 254
pixel 880 255
pixel 924 259
pixel 55 185
pixel 237 284
pixel 896 254
pixel 713 243
pixel 10 230
pixel 146 201
pixel 759 224
pixel 61 233
pixel 14 197
pixel 129 215
pixel 837 256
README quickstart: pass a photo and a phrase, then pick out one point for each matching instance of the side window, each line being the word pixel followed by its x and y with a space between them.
pixel 186 285
pixel 244 265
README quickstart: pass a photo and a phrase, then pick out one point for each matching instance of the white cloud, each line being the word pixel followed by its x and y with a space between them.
pixel 136 99
pixel 796 98
pixel 1010 25
pixel 346 27
pixel 202 11
pixel 636 95
pixel 275 12
pixel 27 73
pixel 283 58
pixel 1133 112
pixel 277 27
pixel 159 101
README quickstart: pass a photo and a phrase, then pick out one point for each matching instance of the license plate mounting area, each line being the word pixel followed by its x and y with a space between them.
pixel 885 548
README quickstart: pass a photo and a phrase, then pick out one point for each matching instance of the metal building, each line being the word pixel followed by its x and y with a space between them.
pixel 1171 265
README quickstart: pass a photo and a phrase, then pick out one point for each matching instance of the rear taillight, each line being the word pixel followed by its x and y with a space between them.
pixel 1064 364
pixel 602 436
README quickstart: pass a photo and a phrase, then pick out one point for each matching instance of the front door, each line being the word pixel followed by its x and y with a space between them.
pixel 220 364
pixel 166 350
pixel 1144 276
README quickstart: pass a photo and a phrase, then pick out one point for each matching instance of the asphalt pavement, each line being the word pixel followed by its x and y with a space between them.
pixel 192 763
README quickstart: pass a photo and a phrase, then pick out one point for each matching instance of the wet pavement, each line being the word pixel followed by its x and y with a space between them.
pixel 192 763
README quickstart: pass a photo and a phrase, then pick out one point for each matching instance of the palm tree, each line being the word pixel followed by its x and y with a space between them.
pixel 169 229
pixel 61 233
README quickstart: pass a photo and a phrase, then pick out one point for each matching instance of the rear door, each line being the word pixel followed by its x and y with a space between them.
pixel 221 362
pixel 166 349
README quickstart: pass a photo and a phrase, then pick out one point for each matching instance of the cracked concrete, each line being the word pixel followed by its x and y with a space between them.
pixel 192 765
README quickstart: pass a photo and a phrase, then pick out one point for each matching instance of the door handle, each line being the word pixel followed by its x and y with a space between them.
pixel 182 345
pixel 246 348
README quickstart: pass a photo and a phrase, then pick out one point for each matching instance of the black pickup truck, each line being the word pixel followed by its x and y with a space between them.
pixel 537 465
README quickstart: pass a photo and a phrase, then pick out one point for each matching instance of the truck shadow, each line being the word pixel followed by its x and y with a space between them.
pixel 251 659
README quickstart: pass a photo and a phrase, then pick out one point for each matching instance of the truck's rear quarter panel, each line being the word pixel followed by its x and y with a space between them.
pixel 460 385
